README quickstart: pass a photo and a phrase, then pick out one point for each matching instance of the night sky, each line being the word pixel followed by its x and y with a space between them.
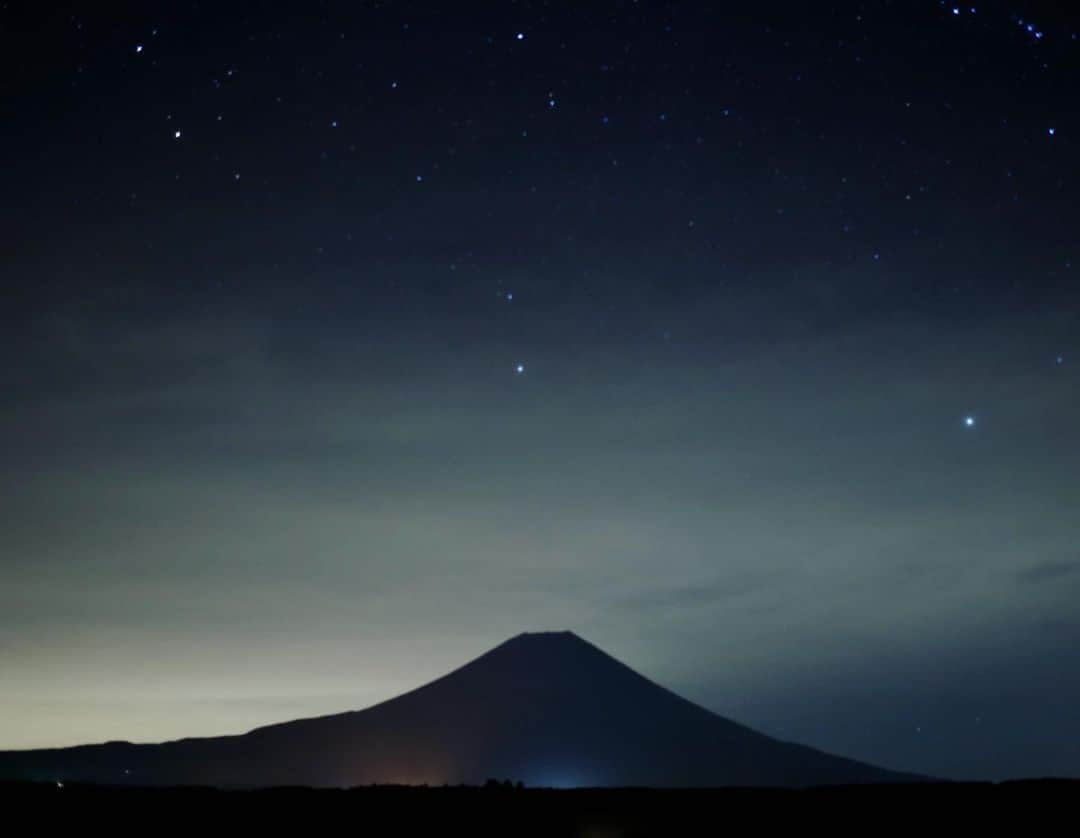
pixel 344 340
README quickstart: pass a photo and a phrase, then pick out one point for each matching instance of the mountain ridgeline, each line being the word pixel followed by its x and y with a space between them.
pixel 549 709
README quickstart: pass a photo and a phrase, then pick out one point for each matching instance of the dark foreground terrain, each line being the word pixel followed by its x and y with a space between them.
pixel 1033 807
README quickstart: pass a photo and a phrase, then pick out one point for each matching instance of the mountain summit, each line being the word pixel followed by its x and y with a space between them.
pixel 547 708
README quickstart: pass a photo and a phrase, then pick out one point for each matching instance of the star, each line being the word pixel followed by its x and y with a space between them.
pixel 969 421
pixel 520 36
pixel 139 48
pixel 519 369
pixel 176 135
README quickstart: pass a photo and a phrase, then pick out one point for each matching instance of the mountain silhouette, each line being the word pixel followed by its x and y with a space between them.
pixel 549 709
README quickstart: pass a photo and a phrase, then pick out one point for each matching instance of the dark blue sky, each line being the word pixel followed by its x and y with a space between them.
pixel 345 340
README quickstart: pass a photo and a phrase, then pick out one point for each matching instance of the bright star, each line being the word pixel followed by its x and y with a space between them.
pixel 521 36
pixel 519 369
pixel 138 48
pixel 969 421
pixel 176 135
pixel 1051 131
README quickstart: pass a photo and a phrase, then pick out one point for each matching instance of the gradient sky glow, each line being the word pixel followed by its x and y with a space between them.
pixel 385 358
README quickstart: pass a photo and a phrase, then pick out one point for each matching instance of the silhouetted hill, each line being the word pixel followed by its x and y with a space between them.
pixel 549 709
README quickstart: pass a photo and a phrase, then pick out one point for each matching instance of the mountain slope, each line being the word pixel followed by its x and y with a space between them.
pixel 548 709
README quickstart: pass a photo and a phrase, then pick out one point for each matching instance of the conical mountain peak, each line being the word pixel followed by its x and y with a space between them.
pixel 550 658
pixel 534 636
pixel 548 708
pixel 551 641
